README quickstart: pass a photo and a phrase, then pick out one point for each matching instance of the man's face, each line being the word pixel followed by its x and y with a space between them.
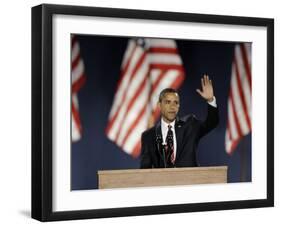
pixel 169 106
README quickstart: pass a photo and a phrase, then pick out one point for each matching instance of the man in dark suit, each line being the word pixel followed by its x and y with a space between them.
pixel 172 142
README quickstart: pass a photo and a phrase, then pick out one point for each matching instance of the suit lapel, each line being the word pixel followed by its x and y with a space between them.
pixel 159 133
pixel 179 136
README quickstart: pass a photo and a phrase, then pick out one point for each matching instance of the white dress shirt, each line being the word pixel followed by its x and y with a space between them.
pixel 213 102
pixel 164 129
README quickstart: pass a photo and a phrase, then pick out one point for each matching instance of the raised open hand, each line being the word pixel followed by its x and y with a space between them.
pixel 207 91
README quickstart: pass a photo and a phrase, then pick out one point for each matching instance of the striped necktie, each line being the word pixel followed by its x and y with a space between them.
pixel 170 146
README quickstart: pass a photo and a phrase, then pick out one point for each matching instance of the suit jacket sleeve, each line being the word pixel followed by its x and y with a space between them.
pixel 146 161
pixel 210 122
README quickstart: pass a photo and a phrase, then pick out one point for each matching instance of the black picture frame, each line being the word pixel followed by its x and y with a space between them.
pixel 42 108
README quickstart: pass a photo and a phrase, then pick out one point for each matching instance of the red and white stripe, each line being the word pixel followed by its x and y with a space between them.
pixel 145 71
pixel 78 79
pixel 239 100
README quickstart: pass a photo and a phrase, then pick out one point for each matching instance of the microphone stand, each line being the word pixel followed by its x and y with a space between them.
pixel 164 156
pixel 161 148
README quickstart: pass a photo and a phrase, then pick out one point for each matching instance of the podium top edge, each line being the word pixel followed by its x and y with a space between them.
pixel 181 169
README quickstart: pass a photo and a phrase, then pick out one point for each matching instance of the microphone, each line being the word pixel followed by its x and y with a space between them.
pixel 160 148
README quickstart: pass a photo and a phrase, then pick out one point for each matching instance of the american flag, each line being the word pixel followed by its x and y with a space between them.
pixel 239 100
pixel 149 65
pixel 78 79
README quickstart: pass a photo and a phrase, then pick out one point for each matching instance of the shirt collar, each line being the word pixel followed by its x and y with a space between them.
pixel 165 124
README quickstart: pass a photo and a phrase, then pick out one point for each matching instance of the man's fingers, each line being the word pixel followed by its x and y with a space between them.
pixel 202 82
pixel 199 91
pixel 207 80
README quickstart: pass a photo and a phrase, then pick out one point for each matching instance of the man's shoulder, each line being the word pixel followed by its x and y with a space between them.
pixel 187 118
pixel 149 131
pixel 182 120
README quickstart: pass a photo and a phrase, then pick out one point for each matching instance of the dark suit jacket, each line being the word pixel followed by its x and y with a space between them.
pixel 188 130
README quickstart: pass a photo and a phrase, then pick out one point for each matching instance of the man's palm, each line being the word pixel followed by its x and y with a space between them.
pixel 207 88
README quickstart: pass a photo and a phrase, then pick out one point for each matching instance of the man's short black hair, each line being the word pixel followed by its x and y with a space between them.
pixel 164 91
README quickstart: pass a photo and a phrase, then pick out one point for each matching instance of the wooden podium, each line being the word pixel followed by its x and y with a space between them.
pixel 161 177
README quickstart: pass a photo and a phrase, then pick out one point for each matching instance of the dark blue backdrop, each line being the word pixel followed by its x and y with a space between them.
pixel 102 58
